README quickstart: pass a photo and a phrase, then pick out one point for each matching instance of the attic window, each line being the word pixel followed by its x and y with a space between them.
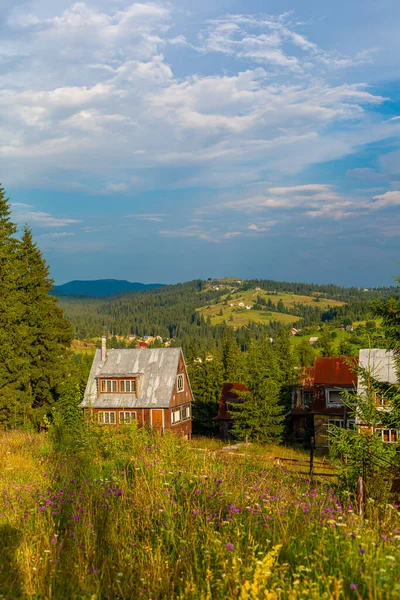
pixel 127 386
pixel 109 385
pixel 180 384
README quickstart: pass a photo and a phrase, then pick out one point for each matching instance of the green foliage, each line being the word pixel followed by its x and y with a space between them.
pixel 305 353
pixel 345 348
pixel 260 414
pixel 34 335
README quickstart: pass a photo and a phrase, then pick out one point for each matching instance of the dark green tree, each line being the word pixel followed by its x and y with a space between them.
pixel 260 414
pixel 305 353
pixel 12 352
pixel 345 348
pixel 47 335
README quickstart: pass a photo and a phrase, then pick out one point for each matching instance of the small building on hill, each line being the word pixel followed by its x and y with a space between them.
pixel 150 387
pixel 230 394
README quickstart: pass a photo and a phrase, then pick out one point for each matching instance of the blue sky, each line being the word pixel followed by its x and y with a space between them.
pixel 165 141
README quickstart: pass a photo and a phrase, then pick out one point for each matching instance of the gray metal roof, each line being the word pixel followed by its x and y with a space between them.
pixel 157 370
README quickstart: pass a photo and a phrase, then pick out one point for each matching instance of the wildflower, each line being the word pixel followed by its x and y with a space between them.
pixel 229 546
pixel 196 511
pixel 354 586
pixel 352 535
pixel 362 551
pixel 384 537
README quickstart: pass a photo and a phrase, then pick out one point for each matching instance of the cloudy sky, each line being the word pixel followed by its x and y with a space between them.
pixel 164 141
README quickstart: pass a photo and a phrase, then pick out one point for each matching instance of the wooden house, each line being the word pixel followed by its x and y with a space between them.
pixel 150 387
pixel 317 401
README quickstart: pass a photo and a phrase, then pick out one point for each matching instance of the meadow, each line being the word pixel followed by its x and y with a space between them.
pixel 128 514
pixel 236 316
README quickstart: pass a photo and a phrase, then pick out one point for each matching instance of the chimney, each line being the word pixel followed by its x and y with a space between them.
pixel 103 348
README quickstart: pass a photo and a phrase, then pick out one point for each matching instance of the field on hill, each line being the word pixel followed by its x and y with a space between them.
pixel 132 515
pixel 237 307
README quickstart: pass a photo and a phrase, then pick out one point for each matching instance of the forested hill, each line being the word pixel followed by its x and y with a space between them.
pixel 101 287
pixel 184 312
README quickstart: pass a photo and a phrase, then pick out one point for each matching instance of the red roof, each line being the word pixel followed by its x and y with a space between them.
pixel 335 370
pixel 306 376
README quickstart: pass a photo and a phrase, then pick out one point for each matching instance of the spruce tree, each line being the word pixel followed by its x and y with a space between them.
pixel 260 415
pixel 47 334
pixel 11 342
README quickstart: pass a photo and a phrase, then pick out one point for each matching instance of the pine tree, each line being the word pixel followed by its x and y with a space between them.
pixel 305 354
pixel 47 334
pixel 232 360
pixel 206 377
pixel 11 342
pixel 260 415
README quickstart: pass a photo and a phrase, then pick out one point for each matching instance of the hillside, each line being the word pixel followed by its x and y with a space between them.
pixel 101 287
pixel 256 305
pixel 199 311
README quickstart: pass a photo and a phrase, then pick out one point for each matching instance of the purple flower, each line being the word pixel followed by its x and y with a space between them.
pixel 229 546
pixel 196 511
pixel 384 537
pixel 362 551
pixel 352 535
pixel 354 586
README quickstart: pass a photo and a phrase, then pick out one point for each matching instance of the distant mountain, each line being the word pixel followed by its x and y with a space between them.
pixel 101 287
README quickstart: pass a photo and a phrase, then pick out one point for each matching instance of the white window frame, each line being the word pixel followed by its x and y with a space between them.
pixel 395 433
pixel 124 383
pixel 327 394
pixel 127 418
pixel 350 424
pixel 176 416
pixel 107 417
pixel 180 383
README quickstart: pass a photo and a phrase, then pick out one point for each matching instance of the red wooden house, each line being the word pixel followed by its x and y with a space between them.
pixel 150 387
pixel 317 401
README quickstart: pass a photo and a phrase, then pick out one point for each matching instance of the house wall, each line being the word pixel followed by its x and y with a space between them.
pixel 184 397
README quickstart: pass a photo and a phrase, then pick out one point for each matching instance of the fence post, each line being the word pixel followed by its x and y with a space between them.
pixel 312 457
pixel 361 490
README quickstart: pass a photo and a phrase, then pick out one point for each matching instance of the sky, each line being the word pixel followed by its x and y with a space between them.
pixel 167 141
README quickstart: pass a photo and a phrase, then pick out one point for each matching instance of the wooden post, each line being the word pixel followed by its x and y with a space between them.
pixel 361 489
pixel 312 457
pixel 361 496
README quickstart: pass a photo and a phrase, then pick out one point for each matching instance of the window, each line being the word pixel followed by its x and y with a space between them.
pixel 176 415
pixel 128 386
pixel 127 417
pixel 106 418
pixel 338 422
pixel 390 436
pixel 110 386
pixel 307 399
pixel 180 383
pixel 186 412
pixel 333 397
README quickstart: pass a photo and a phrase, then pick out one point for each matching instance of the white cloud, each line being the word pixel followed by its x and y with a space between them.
pixel 89 88
pixel 117 187
pixel 58 234
pixel 386 200
pixel 42 219
pixel 157 218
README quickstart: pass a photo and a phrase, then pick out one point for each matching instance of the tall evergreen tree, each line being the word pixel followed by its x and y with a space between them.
pixel 11 343
pixel 305 354
pixel 260 415
pixel 206 377
pixel 47 334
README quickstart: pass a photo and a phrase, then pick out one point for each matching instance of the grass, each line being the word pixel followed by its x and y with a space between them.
pixel 131 515
pixel 236 316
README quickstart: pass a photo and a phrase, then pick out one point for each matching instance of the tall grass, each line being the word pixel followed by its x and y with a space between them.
pixel 132 515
